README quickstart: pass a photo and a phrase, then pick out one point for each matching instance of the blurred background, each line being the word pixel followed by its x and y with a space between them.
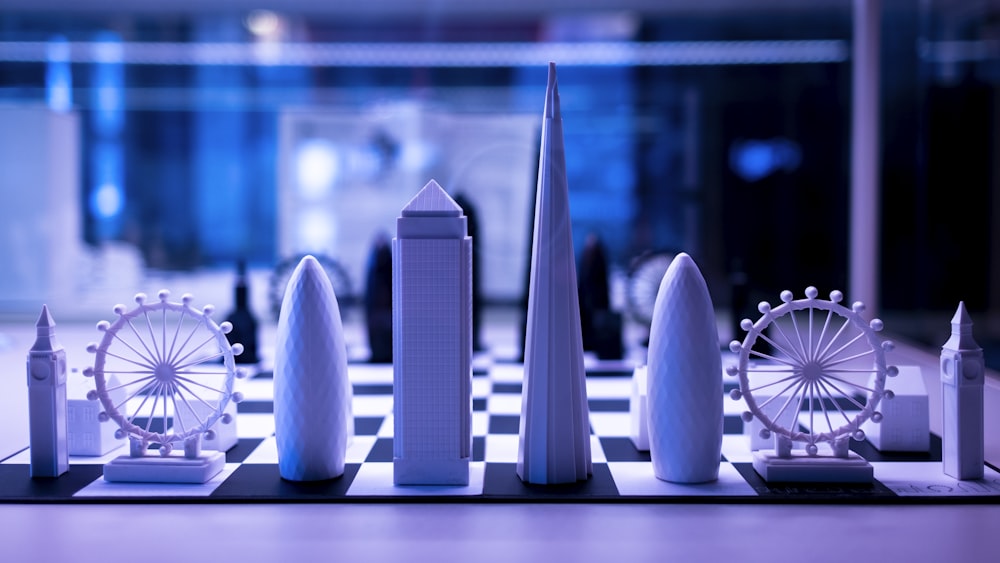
pixel 147 144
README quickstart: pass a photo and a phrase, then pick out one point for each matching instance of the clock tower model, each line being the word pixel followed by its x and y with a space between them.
pixel 962 373
pixel 47 401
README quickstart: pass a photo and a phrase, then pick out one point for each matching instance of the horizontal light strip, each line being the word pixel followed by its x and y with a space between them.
pixel 960 51
pixel 437 54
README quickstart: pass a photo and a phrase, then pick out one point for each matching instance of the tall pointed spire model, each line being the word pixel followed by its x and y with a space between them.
pixel 554 445
pixel 312 393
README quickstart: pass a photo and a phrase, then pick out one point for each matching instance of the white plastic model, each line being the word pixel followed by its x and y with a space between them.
pixel 962 379
pixel 164 354
pixel 432 341
pixel 638 410
pixel 684 385
pixel 906 419
pixel 88 434
pixel 819 365
pixel 221 437
pixel 312 393
pixel 554 442
pixel 47 401
pixel 788 419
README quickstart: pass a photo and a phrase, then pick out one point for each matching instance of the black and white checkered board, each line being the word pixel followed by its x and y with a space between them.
pixel 621 473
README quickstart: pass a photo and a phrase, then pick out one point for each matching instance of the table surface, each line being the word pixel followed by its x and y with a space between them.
pixel 494 532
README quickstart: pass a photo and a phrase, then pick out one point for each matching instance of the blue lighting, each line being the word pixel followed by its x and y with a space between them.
pixel 58 75
pixel 757 159
pixel 107 201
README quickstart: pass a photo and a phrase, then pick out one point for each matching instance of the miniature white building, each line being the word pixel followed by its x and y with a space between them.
pixel 432 342
pixel 905 425
pixel 638 415
pixel 88 436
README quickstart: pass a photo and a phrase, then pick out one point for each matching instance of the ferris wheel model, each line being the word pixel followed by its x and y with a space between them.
pixel 164 358
pixel 813 369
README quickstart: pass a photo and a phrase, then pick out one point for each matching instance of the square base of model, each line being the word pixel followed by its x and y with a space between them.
pixel 430 472
pixel 169 469
pixel 803 468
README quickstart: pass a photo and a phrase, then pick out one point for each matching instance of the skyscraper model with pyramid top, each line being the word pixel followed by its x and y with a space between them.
pixel 432 342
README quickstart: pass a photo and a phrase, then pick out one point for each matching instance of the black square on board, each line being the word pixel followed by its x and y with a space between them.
pixel 622 449
pixel 16 483
pixel 381 451
pixel 367 425
pixel 253 481
pixel 501 480
pixel 505 424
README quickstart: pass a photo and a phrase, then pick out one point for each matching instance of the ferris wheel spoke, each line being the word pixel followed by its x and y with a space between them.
pixel 193 382
pixel 822 333
pixel 833 355
pixel 777 346
pixel 124 359
pixel 822 405
pixel 788 401
pixel 847 359
pixel 190 409
pixel 137 353
pixel 829 344
pixel 809 353
pixel 177 331
pixel 191 353
pixel 848 382
pixel 774 358
pixel 812 407
pixel 851 370
pixel 136 393
pixel 798 336
pixel 141 341
pixel 788 341
pixel 781 393
pixel 178 419
pixel 842 393
pixel 195 395
pixel 201 360
pixel 152 337
pixel 130 383
pixel 152 411
pixel 833 401
pixel 766 385
pixel 173 358
pixel 165 393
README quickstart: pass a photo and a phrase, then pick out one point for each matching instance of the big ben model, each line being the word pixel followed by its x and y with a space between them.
pixel 962 370
pixel 47 401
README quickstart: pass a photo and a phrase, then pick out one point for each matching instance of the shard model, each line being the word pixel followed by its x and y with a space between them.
pixel 554 442
pixel 962 373
pixel 432 340
pixel 47 401
pixel 684 379
pixel 312 392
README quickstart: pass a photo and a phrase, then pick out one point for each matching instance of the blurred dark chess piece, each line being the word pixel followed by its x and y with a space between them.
pixel 378 301
pixel 242 318
pixel 601 327
pixel 477 293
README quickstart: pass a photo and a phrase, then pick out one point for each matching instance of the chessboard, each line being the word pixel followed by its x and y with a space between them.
pixel 621 473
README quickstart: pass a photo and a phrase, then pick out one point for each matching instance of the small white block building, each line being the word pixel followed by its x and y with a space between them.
pixel 905 426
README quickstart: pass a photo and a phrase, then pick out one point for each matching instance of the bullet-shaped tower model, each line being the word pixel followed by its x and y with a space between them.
pixel 684 379
pixel 47 401
pixel 432 342
pixel 312 393
pixel 554 444
pixel 962 373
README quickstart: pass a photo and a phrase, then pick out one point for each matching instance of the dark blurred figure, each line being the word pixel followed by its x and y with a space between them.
pixel 477 294
pixel 243 321
pixel 601 327
pixel 378 301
